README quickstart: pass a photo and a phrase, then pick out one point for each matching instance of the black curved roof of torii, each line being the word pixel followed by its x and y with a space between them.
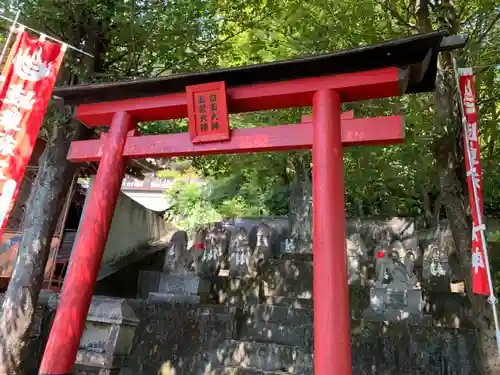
pixel 418 53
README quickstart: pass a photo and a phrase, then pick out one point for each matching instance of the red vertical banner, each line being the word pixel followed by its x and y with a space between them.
pixel 26 85
pixel 480 284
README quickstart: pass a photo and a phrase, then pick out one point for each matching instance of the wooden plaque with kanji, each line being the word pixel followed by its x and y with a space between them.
pixel 207 113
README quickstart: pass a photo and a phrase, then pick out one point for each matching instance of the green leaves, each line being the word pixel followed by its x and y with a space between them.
pixel 159 37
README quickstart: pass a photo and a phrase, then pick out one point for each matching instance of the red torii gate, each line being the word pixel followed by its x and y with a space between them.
pixel 388 69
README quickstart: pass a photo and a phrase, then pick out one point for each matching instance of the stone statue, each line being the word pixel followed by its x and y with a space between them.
pixel 356 258
pixel 178 280
pixel 390 270
pixel 435 268
pixel 217 242
pixel 439 248
pixel 176 257
pixel 405 254
pixel 207 258
pixel 259 239
pixel 397 293
pixel 196 247
pixel 240 263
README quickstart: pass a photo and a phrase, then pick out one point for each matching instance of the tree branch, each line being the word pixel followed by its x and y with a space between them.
pixel 218 43
pixel 488 29
pixel 400 20
pixel 423 16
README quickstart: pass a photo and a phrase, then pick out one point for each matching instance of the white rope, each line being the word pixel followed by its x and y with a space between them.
pixel 9 37
pixel 65 45
pixel 491 299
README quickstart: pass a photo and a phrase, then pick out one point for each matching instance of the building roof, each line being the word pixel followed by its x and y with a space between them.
pixel 417 53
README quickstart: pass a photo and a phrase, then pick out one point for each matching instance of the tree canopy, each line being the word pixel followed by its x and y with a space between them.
pixel 154 38
pixel 381 181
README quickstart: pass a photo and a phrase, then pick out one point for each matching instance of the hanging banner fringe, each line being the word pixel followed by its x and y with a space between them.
pixel 28 78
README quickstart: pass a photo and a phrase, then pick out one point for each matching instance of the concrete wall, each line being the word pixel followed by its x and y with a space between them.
pixel 150 192
pixel 151 199
pixel 133 226
pixel 134 229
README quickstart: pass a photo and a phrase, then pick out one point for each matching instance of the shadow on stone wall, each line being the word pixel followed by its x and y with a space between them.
pixel 176 339
pixel 173 339
pixel 170 338
pixel 400 349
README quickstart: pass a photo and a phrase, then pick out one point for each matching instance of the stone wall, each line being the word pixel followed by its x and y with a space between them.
pixel 178 339
pixel 410 350
pixel 169 336
pixel 175 337
pixel 181 339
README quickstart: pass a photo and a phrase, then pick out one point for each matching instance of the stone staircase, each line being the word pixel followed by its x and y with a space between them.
pixel 273 334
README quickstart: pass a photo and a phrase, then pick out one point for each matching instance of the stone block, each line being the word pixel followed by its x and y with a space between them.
pixel 262 313
pixel 279 333
pixel 160 286
pixel 266 357
pixel 249 371
pixel 288 278
pixel 108 336
pixel 242 291
pixel 177 284
pixel 174 298
pixel 394 305
pixel 294 303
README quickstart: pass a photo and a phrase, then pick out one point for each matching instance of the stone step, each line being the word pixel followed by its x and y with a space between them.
pixel 248 371
pixel 242 291
pixel 293 303
pixel 174 298
pixel 308 257
pixel 290 289
pixel 296 335
pixel 260 356
pixel 288 278
pixel 279 314
pixel 288 268
pixel 243 298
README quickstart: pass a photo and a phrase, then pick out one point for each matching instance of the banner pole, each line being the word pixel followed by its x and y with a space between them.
pixel 491 299
pixel 9 37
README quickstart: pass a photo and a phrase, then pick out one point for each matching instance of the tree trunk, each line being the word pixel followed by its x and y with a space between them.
pixel 454 201
pixel 47 198
pixel 449 160
pixel 44 207
pixel 300 207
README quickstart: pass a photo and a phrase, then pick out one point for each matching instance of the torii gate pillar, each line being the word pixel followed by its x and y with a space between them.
pixel 76 295
pixel 332 336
